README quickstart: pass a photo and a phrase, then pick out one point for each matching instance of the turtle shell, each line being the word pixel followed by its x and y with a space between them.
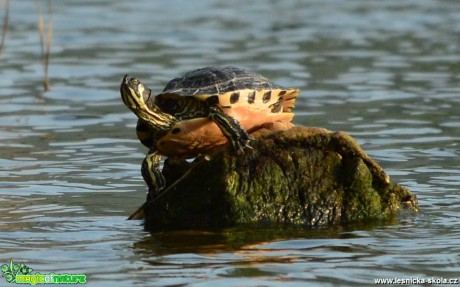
pixel 189 96
pixel 216 81
pixel 249 98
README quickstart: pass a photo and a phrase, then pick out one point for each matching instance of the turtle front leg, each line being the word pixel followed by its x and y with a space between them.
pixel 154 179
pixel 152 174
pixel 231 128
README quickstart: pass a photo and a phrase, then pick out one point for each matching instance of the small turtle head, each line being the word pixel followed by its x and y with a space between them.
pixel 136 96
pixel 133 93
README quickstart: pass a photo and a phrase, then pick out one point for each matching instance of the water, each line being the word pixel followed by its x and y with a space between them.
pixel 385 71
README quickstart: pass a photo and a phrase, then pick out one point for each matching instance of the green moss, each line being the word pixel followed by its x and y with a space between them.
pixel 302 176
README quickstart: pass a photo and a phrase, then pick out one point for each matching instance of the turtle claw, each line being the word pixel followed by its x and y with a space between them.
pixel 242 143
pixel 244 149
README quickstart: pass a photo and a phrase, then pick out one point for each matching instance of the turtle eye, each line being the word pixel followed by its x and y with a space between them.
pixel 135 81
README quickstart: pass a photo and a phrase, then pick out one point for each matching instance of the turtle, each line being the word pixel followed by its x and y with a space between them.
pixel 200 110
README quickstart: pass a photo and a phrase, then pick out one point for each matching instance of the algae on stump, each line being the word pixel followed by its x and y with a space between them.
pixel 306 176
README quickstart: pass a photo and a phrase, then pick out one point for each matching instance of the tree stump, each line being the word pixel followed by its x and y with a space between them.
pixel 302 176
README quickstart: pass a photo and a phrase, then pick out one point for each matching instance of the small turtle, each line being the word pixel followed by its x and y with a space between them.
pixel 203 109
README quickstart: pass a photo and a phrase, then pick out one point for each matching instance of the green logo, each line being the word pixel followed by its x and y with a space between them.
pixel 21 274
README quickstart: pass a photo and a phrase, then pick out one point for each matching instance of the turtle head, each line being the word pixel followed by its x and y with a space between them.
pixel 135 95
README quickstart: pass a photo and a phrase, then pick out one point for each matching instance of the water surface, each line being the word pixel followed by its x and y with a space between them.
pixel 387 72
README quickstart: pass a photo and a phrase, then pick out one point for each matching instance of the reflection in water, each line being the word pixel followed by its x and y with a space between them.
pixel 244 237
pixel 386 72
pixel 258 253
pixel 228 240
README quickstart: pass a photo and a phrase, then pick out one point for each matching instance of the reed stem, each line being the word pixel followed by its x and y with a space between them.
pixel 45 46
pixel 5 25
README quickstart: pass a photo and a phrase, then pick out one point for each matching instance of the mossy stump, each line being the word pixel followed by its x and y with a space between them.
pixel 302 176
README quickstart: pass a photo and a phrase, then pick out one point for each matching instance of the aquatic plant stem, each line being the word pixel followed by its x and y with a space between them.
pixel 5 25
pixel 45 51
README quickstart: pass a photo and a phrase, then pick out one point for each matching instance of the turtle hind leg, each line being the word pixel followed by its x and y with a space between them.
pixel 231 128
pixel 152 174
